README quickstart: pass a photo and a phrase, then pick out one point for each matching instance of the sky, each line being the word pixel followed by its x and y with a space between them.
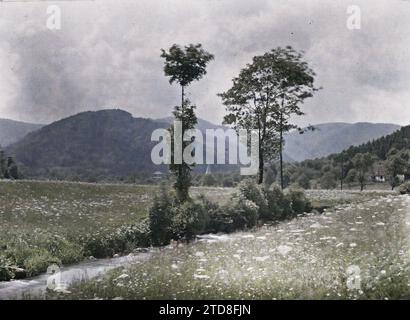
pixel 107 55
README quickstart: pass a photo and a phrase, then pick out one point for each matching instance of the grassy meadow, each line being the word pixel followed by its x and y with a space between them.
pixel 358 250
pixel 42 223
pixel 61 222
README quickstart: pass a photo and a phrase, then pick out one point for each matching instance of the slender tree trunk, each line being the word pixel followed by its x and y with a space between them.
pixel 282 184
pixel 261 166
pixel 182 97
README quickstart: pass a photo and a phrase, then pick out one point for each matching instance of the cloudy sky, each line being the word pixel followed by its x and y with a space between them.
pixel 106 55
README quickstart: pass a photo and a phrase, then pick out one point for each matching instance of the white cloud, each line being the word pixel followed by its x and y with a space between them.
pixel 107 55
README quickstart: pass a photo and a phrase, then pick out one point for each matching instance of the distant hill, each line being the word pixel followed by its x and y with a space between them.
pixel 93 145
pixel 113 144
pixel 329 138
pixel 202 124
pixel 106 143
pixel 399 140
pixel 11 131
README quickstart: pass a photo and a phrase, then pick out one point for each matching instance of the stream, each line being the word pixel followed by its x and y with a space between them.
pixel 61 279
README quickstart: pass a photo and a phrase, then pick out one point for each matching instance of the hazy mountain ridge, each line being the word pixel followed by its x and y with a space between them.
pixel 11 131
pixel 113 143
pixel 103 143
pixel 330 138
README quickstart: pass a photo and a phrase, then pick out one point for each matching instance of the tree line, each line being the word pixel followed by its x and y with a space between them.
pixel 8 167
pixel 265 96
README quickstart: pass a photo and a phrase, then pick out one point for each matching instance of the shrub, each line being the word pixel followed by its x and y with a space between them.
pixel 160 217
pixel 217 221
pixel 5 273
pixel 279 207
pixel 328 181
pixel 189 219
pixel 124 239
pixel 405 188
pixel 249 190
pixel 137 235
pixel 39 261
pixel 298 201
pixel 67 252
pixel 240 215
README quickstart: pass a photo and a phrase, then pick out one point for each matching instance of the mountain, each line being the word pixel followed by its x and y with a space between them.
pixel 201 125
pixel 88 145
pixel 380 148
pixel 112 144
pixel 329 138
pixel 11 131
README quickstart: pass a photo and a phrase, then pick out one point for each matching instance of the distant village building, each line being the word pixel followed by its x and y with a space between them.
pixel 379 172
pixel 158 175
pixel 407 176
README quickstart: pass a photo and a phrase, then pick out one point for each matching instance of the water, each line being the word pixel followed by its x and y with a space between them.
pixel 36 287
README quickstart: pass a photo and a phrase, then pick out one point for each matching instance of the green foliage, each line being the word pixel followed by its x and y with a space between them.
pixel 328 180
pixel 189 219
pixel 160 217
pixel 363 162
pixel 244 214
pixel 266 95
pixel 279 206
pixel 299 203
pixel 39 261
pixel 184 65
pixel 124 239
pixel 8 167
pixel 272 203
pixel 351 176
pixel 396 163
pixel 405 188
pixel 253 192
pixel 303 181
pixel 5 273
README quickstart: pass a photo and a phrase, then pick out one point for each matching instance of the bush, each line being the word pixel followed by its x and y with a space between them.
pixel 160 217
pixel 39 261
pixel 189 220
pixel 5 273
pixel 279 206
pixel 217 221
pixel 67 252
pixel 299 203
pixel 244 214
pixel 249 190
pixel 124 239
pixel 405 188
pixel 137 235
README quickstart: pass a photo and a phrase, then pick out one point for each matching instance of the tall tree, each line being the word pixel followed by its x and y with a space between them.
pixel 296 83
pixel 340 159
pixel 363 163
pixel 3 164
pixel 184 65
pixel 12 171
pixel 265 95
pixel 396 163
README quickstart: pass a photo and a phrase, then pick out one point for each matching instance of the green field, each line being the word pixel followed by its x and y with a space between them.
pixel 309 257
pixel 359 250
pixel 45 222
pixel 63 222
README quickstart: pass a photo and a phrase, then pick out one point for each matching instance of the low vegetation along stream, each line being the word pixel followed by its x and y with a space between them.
pixel 358 248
